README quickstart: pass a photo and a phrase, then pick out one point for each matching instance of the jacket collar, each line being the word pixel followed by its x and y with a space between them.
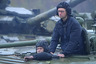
pixel 63 22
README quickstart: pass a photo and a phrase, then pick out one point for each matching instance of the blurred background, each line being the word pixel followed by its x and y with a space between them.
pixel 44 5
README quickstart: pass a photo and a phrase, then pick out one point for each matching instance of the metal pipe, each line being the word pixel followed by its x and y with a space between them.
pixel 46 15
pixel 22 43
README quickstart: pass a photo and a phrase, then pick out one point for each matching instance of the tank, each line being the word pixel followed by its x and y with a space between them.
pixel 15 21
pixel 18 57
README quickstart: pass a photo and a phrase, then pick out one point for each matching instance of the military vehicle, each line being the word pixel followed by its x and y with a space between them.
pixel 23 21
pixel 15 54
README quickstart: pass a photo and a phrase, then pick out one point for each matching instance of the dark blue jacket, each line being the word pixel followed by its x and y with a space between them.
pixel 69 35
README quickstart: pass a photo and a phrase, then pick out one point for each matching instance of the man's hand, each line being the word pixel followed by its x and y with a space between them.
pixel 28 58
pixel 61 55
pixel 51 52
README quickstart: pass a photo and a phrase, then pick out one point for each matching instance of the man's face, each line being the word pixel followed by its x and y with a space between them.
pixel 62 13
pixel 40 49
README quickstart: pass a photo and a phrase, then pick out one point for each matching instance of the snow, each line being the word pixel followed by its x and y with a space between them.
pixel 19 10
pixel 6 18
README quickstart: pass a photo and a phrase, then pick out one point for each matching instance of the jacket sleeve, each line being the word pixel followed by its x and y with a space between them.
pixel 54 40
pixel 74 40
pixel 42 56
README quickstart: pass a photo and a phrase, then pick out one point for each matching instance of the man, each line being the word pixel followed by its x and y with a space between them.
pixel 42 52
pixel 68 31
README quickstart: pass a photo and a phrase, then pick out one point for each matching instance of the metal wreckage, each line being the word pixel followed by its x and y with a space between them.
pixel 12 22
